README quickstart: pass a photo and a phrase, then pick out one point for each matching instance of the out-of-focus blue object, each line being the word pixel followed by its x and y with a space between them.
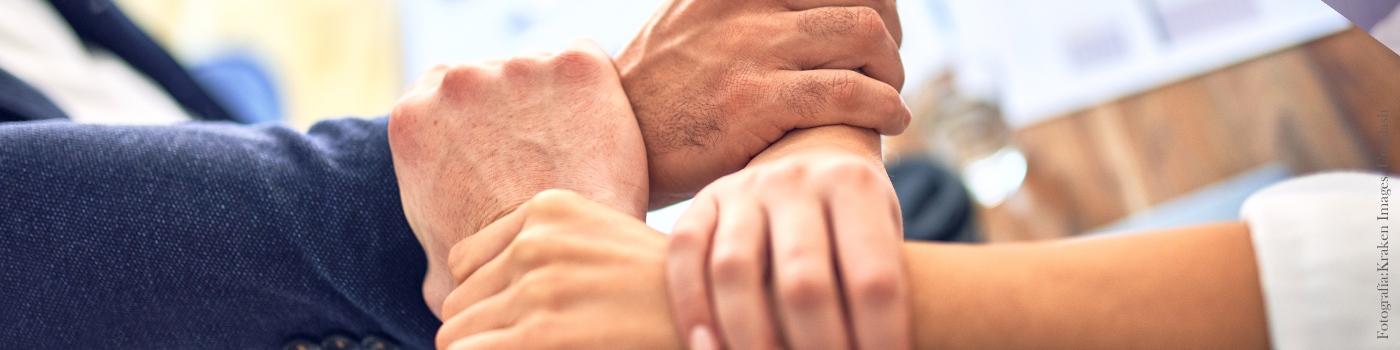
pixel 101 23
pixel 933 202
pixel 1216 203
pixel 242 85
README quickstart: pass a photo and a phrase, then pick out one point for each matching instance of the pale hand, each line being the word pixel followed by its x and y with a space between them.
pixel 811 232
pixel 561 272
pixel 472 142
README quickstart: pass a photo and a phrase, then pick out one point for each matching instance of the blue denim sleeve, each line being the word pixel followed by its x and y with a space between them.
pixel 204 235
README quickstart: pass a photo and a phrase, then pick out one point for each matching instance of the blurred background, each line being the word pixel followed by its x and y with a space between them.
pixel 1062 118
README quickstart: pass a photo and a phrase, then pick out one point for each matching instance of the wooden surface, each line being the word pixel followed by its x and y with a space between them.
pixel 1311 107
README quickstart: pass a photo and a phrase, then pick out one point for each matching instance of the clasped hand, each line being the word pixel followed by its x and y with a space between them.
pixel 471 143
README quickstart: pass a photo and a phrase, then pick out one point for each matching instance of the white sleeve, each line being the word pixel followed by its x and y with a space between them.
pixel 1323 248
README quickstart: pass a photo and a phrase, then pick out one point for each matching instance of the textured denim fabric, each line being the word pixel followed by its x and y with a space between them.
pixel 203 236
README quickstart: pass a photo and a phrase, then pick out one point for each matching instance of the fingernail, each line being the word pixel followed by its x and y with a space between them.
pixel 702 339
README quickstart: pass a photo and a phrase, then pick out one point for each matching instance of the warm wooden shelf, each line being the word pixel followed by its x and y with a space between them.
pixel 1312 107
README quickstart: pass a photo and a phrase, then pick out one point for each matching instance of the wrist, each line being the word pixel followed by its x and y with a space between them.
pixel 965 296
pixel 843 139
pixel 437 238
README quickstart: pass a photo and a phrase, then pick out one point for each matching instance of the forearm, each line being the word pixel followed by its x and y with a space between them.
pixel 855 140
pixel 1184 288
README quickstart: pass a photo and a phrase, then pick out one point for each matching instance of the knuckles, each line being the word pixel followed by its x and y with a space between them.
pixel 687 240
pixel 820 170
pixel 867 24
pixel 533 248
pixel 463 78
pixel 856 21
pixel 841 89
pixel 852 171
pixel 403 122
pixel 544 289
pixel 805 288
pixel 875 286
pixel 574 66
pixel 892 107
pixel 730 267
pixel 521 67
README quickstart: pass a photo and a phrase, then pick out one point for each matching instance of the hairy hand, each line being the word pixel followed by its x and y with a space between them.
pixel 813 233
pixel 715 82
pixel 561 272
pixel 472 142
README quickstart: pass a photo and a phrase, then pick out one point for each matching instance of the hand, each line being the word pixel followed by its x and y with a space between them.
pixel 471 142
pixel 828 219
pixel 561 272
pixel 714 82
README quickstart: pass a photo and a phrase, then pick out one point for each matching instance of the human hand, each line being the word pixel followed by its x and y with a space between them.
pixel 561 272
pixel 823 220
pixel 472 142
pixel 714 82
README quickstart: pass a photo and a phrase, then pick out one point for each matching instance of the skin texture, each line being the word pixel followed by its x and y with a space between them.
pixel 564 277
pixel 581 278
pixel 698 76
pixel 818 208
pixel 472 142
pixel 1186 288
pixel 715 82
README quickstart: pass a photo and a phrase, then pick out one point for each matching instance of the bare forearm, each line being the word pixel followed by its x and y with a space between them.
pixel 855 140
pixel 1186 288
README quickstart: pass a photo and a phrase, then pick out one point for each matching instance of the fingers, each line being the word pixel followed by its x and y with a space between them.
pixel 686 274
pixel 865 216
pixel 806 99
pixel 494 313
pixel 531 250
pixel 851 38
pixel 490 340
pixel 887 9
pixel 737 266
pixel 471 253
pixel 804 278
pixel 491 279
pixel 487 262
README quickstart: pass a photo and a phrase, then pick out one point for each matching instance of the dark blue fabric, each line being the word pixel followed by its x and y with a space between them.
pixel 203 236
pixel 102 23
pixel 20 102
pixel 935 205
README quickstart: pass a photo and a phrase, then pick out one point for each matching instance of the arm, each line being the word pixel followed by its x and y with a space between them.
pixel 716 82
pixel 1187 288
pixel 186 235
pixel 695 77
pixel 472 142
pixel 1183 288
